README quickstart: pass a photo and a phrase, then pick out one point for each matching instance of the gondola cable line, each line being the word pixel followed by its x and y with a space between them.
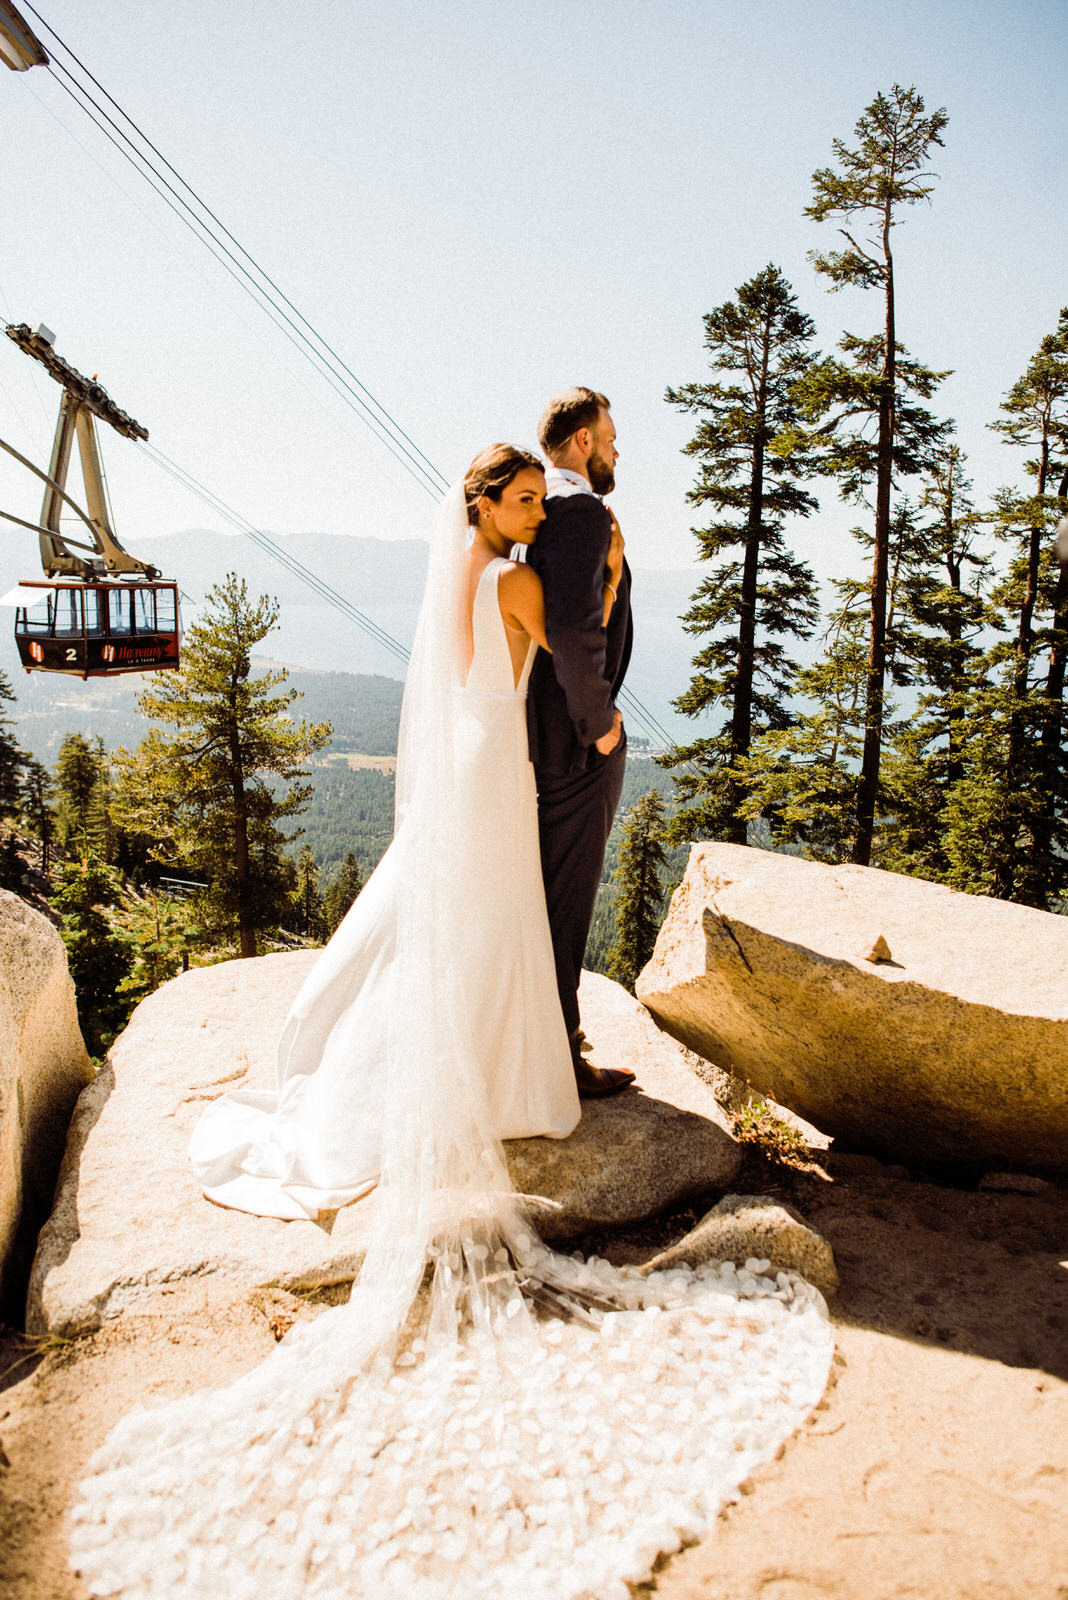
pixel 259 298
pixel 271 547
pixel 343 381
pixel 266 294
pixel 293 334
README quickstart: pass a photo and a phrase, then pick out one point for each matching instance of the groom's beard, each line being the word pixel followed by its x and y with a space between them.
pixel 602 478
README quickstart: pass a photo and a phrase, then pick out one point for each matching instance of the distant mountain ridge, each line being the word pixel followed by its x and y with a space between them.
pixel 383 578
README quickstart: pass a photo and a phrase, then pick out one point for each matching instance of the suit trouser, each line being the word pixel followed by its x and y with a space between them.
pixel 575 816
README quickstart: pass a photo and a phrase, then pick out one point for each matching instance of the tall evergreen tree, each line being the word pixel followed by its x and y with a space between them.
pixel 37 809
pixel 341 893
pixel 939 615
pixel 98 956
pixel 802 779
pixel 12 756
pixel 1035 418
pixel 759 346
pixel 80 785
pixel 308 911
pixel 215 790
pixel 885 171
pixel 639 891
pixel 13 761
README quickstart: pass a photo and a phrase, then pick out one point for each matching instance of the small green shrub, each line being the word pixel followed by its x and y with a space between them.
pixel 757 1125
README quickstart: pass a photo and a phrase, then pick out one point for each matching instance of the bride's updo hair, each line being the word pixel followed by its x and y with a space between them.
pixel 492 471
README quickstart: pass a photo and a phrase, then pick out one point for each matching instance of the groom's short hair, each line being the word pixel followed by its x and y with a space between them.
pixel 566 414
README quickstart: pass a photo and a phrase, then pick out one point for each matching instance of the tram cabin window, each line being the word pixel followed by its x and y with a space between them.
pixel 144 610
pixel 37 618
pixel 167 621
pixel 120 611
pixel 68 611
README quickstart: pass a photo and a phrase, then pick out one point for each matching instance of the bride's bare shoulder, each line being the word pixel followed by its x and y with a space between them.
pixel 519 595
pixel 517 581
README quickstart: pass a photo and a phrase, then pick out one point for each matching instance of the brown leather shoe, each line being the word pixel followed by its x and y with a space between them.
pixel 595 1083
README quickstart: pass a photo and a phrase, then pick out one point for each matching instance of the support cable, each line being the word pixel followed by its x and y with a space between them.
pixel 56 489
pixel 372 412
pixel 270 546
pixel 234 241
pixel 260 297
pixel 300 332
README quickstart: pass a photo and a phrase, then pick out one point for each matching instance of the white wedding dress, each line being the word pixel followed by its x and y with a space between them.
pixel 315 1144
pixel 484 1419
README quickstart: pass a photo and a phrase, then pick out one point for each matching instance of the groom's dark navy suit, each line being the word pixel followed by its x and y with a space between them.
pixel 570 704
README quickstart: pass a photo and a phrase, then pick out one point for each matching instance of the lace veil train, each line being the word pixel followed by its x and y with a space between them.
pixel 484 1416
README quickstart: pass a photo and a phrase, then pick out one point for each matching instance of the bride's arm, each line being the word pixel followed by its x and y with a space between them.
pixel 522 602
pixel 613 567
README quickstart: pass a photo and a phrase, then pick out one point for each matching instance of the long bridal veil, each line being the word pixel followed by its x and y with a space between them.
pixel 483 1417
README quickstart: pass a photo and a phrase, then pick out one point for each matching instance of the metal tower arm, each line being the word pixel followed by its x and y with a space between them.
pixel 82 400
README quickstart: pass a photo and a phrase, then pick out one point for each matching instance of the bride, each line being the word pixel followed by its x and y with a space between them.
pixel 464 868
pixel 483 1417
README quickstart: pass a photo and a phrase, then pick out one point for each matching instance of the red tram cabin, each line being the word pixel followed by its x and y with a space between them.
pixel 96 630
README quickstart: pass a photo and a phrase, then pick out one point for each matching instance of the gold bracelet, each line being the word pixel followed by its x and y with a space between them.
pixel 611 590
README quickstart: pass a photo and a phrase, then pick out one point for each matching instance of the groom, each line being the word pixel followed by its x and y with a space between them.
pixel 577 743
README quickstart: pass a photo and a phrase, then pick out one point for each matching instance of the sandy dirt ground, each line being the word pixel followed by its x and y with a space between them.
pixel 936 1467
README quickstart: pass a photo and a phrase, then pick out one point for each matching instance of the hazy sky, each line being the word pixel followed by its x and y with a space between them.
pixel 481 203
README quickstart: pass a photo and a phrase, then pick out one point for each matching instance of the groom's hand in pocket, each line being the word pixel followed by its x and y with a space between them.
pixel 608 741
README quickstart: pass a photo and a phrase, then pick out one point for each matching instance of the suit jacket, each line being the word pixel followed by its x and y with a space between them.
pixel 571 696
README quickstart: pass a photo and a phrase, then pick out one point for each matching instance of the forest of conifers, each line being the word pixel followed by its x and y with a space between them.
pixel 930 733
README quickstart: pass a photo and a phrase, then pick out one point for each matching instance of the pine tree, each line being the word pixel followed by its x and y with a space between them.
pixel 12 866
pixel 639 891
pixel 215 790
pixel 342 893
pixel 37 810
pixel 758 344
pixel 80 784
pixel 1034 821
pixel 937 648
pixel 883 172
pixel 13 761
pixel 161 932
pixel 802 779
pixel 98 957
pixel 1007 818
pixel 12 756
pixel 308 911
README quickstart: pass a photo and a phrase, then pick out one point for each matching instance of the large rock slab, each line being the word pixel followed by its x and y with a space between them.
pixel 954 1051
pixel 43 1068
pixel 129 1217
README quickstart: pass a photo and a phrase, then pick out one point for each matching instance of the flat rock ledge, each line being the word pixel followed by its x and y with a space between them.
pixel 902 1018
pixel 129 1219
pixel 746 1227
